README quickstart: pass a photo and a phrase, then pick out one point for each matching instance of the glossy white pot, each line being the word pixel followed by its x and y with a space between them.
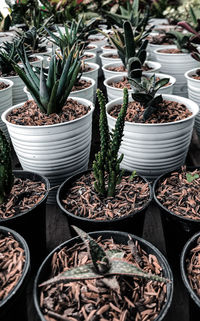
pixel 193 87
pixel 176 65
pixel 5 102
pixel 94 75
pixel 151 50
pixel 152 149
pixel 113 93
pixel 55 151
pixel 92 58
pixel 108 50
pixel 105 59
pixel 108 73
pixel 18 94
pixel 92 48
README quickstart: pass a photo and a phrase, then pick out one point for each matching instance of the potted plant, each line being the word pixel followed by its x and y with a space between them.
pixel 6 87
pixel 114 198
pixel 158 41
pixel 189 273
pixel 156 135
pixel 15 270
pixel 55 140
pixel 111 263
pixel 176 193
pixel 23 196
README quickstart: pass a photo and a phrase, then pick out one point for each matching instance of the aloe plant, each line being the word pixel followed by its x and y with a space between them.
pixel 145 93
pixel 105 264
pixel 6 175
pixel 32 40
pixel 50 91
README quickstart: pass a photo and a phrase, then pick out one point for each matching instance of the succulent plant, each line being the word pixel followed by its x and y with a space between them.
pixel 50 91
pixel 6 175
pixel 182 41
pixel 106 161
pixel 194 38
pixel 10 50
pixel 145 93
pixel 32 39
pixel 105 264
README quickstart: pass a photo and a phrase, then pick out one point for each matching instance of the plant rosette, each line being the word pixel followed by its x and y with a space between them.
pixel 193 87
pixel 189 267
pixel 117 68
pixel 91 70
pixel 109 57
pixel 24 211
pixel 114 85
pixel 56 150
pixel 14 256
pixel 155 147
pixel 176 65
pixel 89 291
pixel 124 212
pixel 176 193
pixel 5 100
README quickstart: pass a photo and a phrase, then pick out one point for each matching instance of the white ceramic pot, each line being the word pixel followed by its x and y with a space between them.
pixel 92 48
pixel 105 59
pixel 5 102
pixel 55 151
pixel 94 75
pixel 113 93
pixel 45 55
pixel 18 95
pixel 98 39
pixel 176 65
pixel 193 86
pixel 152 149
pixel 36 63
pixel 108 73
pixel 87 93
pixel 108 50
pixel 151 50
pixel 92 58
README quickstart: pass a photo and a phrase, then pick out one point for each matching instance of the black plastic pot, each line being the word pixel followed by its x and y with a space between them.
pixel 132 223
pixel 120 238
pixel 31 224
pixel 14 306
pixel 177 229
pixel 194 300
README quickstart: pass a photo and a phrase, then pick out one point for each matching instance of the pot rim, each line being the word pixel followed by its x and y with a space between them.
pixel 6 81
pixel 156 64
pixel 92 64
pixel 156 51
pixel 190 71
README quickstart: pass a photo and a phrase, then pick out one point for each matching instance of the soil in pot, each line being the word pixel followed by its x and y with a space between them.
pixel 196 75
pixel 169 111
pixel 15 268
pixel 136 298
pixel 125 83
pixel 30 115
pixel 160 39
pixel 87 68
pixel 171 51
pixel 85 208
pixel 177 195
pixel 3 85
pixel 121 68
pixel 81 84
pixel 86 56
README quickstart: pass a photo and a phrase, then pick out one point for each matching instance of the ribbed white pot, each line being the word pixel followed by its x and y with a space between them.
pixel 5 102
pixel 151 50
pixel 87 93
pixel 55 151
pixel 92 48
pixel 18 94
pixel 102 40
pixel 176 65
pixel 152 149
pixel 113 93
pixel 45 55
pixel 105 59
pixel 108 50
pixel 93 57
pixel 108 73
pixel 193 86
pixel 36 63
pixel 94 75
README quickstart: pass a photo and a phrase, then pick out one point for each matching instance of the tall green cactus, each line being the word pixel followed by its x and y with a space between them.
pixel 6 176
pixel 106 160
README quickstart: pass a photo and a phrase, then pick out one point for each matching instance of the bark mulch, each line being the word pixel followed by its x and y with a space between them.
pixel 87 68
pixel 121 68
pixel 3 85
pixel 179 195
pixel 87 56
pixel 30 115
pixel 168 111
pixel 82 200
pixel 124 83
pixel 193 263
pixel 134 299
pixel 24 195
pixel 12 258
pixel 171 51
pixel 114 56
pixel 81 84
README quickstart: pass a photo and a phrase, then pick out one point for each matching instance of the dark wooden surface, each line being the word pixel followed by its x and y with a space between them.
pixel 57 231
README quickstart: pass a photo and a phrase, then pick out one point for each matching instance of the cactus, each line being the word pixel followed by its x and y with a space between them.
pixel 106 160
pixel 6 176
pixel 105 264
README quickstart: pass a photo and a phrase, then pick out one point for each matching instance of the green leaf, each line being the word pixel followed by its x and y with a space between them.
pixel 190 177
pixel 161 83
pixel 129 40
pixel 52 106
pixel 143 99
pixel 44 96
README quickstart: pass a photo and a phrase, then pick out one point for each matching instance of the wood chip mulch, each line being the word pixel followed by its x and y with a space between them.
pixel 121 68
pixel 171 51
pixel 124 83
pixel 87 68
pixel 114 56
pixel 30 115
pixel 23 196
pixel 135 299
pixel 12 259
pixel 109 47
pixel 82 199
pixel 87 56
pixel 193 268
pixel 168 111
pixel 81 84
pixel 180 196
pixel 3 85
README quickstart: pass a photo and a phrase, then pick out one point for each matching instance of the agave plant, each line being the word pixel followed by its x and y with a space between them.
pixel 104 264
pixel 6 175
pixel 145 93
pixel 32 40
pixel 50 91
